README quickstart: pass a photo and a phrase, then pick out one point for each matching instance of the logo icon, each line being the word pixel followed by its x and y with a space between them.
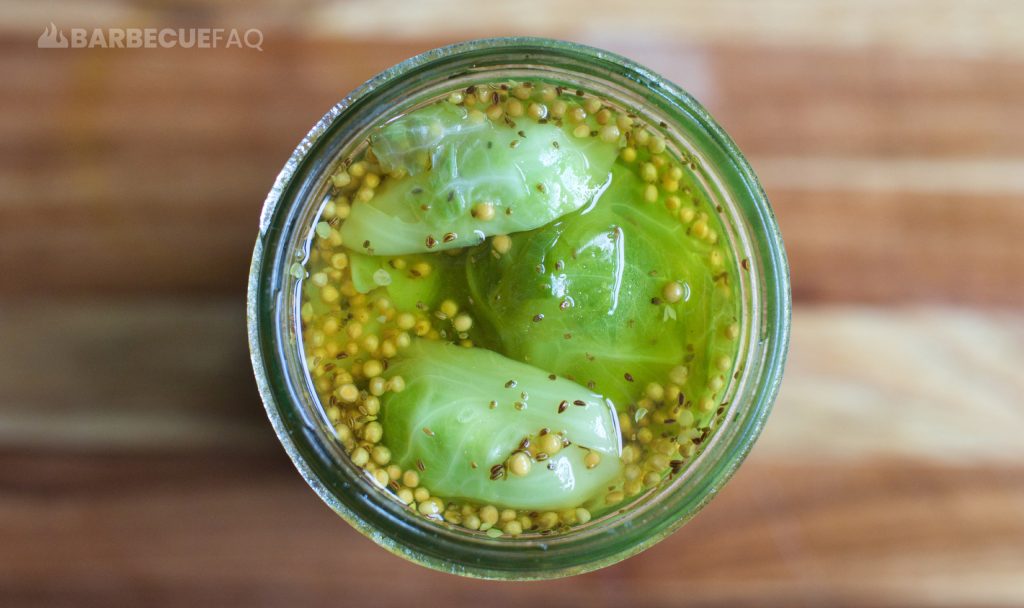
pixel 52 38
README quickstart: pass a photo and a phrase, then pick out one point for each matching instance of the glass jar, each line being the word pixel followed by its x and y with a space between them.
pixel 274 326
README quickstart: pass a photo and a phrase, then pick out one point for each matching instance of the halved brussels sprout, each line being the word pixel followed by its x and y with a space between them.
pixel 582 296
pixel 466 411
pixel 469 178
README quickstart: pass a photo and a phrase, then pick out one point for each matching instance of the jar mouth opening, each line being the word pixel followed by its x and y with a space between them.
pixel 276 347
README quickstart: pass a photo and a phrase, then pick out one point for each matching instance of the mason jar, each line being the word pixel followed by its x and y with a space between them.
pixel 274 325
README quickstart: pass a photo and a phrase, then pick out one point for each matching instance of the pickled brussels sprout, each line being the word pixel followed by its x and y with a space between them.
pixel 465 414
pixel 468 178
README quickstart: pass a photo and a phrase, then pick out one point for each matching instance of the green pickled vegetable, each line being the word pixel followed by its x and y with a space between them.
pixel 465 412
pixel 581 297
pixel 404 284
pixel 529 173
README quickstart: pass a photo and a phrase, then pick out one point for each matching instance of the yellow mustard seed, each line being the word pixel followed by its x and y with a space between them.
pixel 581 131
pixel 609 134
pixel 592 459
pixel 628 154
pixel 501 243
pixel 558 108
pixel 632 488
pixel 514 107
pixel 449 308
pixel 421 494
pixel 405 320
pixel 329 294
pixel 360 457
pixel 489 515
pixel 405 495
pixel 537 111
pixel 483 212
pixel 373 431
pixel 348 393
pixel 519 464
pixel 513 528
pixel 462 323
pixel 365 195
pixel 648 172
pixel 429 507
pixel 655 391
pixel 592 105
pixel 613 498
pixel 549 444
pixel 577 115
pixel 604 116
pixel 396 384
pixel 411 478
pixel 686 214
pixel 632 472
pixel 377 386
pixel 582 515
pixel 651 193
pixel 672 292
pixel 372 368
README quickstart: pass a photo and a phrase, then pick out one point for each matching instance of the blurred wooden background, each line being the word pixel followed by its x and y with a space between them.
pixel 136 464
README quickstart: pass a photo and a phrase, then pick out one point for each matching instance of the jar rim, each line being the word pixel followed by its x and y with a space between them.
pixel 386 528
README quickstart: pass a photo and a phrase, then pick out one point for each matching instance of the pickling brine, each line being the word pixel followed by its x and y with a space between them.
pixel 520 308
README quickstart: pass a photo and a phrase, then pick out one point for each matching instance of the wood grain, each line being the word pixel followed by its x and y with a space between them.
pixel 154 181
pixel 140 466
pixel 137 467
pixel 240 528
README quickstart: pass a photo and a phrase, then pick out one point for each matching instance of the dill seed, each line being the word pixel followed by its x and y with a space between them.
pixel 431 241
pixel 563 406
pixel 420 465
pixel 428 432
pixel 580 403
pixel 628 376
pixel 449 237
pixel 510 384
pixel 538 317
